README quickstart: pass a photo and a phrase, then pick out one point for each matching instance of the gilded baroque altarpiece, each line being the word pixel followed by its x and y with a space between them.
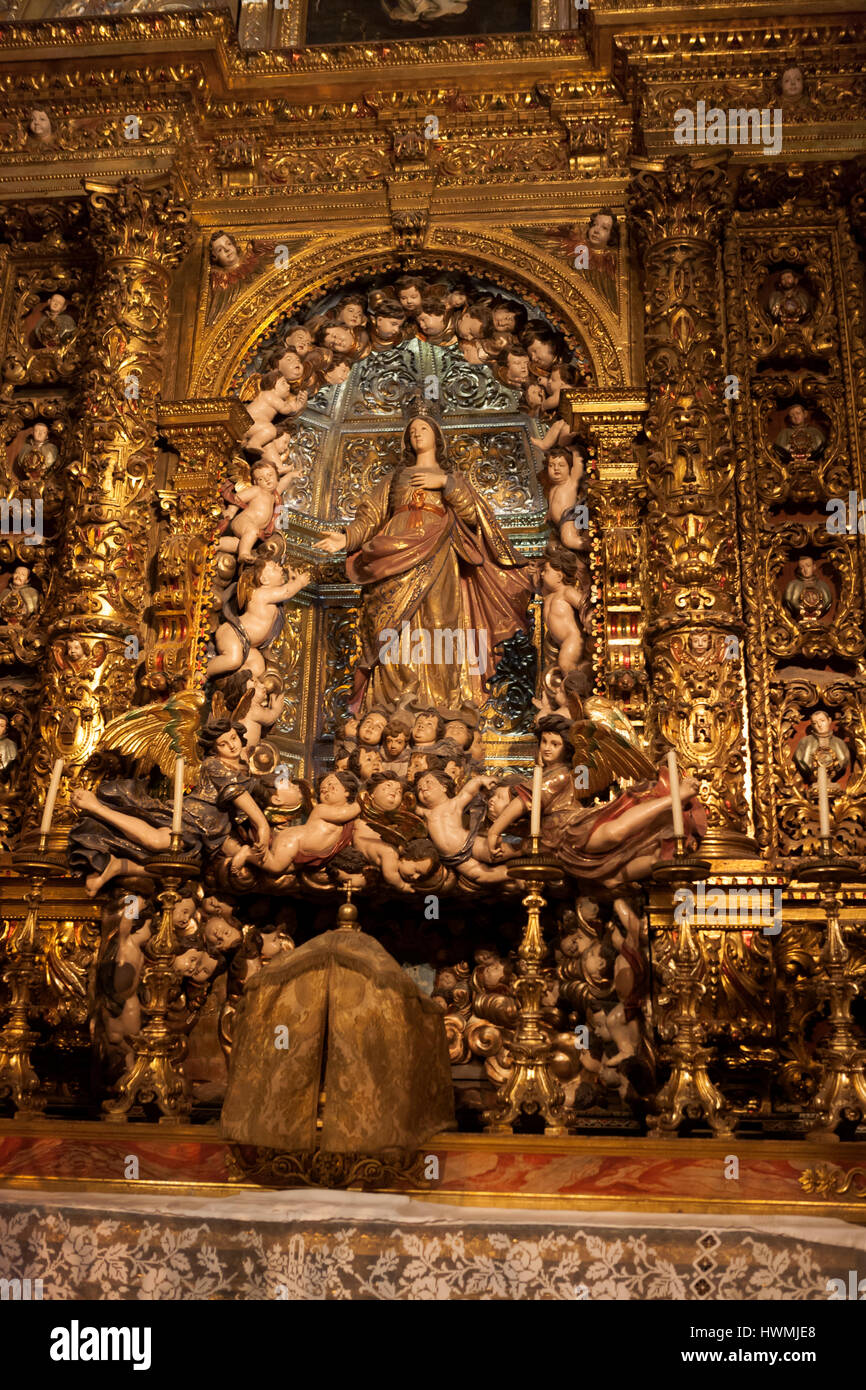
pixel 266 307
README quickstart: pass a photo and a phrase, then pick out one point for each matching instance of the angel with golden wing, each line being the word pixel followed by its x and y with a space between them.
pixel 592 249
pixel 617 842
pixel 122 826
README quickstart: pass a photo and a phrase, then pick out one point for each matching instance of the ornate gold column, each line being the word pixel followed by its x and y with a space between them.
pixel 617 497
pixel 694 631
pixel 95 641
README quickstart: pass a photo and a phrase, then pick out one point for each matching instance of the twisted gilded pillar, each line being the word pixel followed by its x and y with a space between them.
pixel 139 231
pixel 694 628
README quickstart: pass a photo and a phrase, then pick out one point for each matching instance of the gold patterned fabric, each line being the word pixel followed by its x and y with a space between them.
pixel 355 1019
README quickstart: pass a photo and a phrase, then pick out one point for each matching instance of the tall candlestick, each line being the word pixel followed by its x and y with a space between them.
pixel 676 800
pixel 177 813
pixel 823 802
pixel 535 822
pixel 53 788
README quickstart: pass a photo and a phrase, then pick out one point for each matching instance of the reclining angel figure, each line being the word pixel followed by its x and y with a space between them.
pixel 614 843
pixel 121 826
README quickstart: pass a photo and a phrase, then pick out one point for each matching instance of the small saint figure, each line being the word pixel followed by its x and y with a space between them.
pixel 55 326
pixel 37 455
pixel 800 438
pixel 8 749
pixel 789 302
pixel 20 600
pixel 807 596
pixel 821 746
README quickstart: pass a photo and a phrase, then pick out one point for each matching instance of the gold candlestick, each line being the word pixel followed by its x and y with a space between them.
pixel 18 1079
pixel 531 1086
pixel 154 1075
pixel 841 1090
pixel 688 1093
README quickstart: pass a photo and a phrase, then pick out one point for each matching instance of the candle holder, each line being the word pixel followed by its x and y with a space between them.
pixel 18 1079
pixel 841 1090
pixel 154 1075
pixel 531 1086
pixel 688 1093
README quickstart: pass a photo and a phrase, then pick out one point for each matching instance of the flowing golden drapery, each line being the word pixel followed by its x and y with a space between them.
pixel 437 562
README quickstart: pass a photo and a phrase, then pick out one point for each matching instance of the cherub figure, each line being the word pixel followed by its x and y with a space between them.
pixel 561 602
pixel 442 808
pixel 238 640
pixel 39 128
pixel 253 701
pixel 326 831
pixel 395 747
pixel 74 655
pixel 364 762
pixel 383 797
pixel 276 397
pixel 515 371
pixel 565 470
pixel 119 975
pixel 195 965
pixel 427 729
pixel 277 452
pixel 371 728
pixel 184 917
pixel 251 510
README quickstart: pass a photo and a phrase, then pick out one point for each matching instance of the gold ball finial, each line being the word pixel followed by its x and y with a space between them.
pixel 347 913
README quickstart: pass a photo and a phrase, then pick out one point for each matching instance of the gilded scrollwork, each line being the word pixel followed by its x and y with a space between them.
pixel 715 611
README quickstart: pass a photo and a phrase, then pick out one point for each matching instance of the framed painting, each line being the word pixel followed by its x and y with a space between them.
pixel 365 21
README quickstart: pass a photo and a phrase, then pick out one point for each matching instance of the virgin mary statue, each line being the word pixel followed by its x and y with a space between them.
pixel 443 587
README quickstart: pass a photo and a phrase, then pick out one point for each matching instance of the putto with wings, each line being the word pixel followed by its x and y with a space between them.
pixel 121 826
pixel 591 249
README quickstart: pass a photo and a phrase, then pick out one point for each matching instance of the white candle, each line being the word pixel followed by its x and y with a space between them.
pixel 177 814
pixel 53 788
pixel 676 800
pixel 823 802
pixel 535 822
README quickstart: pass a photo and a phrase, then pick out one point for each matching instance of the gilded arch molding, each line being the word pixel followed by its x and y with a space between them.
pixel 569 304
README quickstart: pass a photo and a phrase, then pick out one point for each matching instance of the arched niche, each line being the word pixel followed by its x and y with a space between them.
pixel 560 296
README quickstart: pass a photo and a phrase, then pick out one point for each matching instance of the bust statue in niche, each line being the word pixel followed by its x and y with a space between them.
pixel 19 600
pixel 55 326
pixel 821 746
pixel 37 455
pixel 808 595
pixel 789 302
pixel 800 438
pixel 8 748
